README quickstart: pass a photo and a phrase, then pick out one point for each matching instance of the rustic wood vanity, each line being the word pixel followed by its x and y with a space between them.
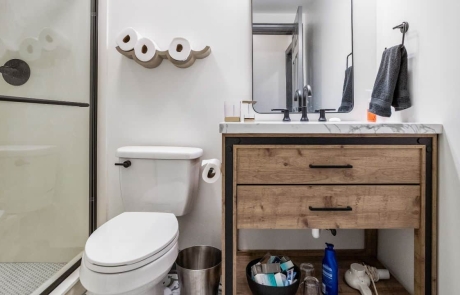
pixel 331 176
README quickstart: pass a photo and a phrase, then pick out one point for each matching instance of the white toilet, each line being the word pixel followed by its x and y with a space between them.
pixel 132 253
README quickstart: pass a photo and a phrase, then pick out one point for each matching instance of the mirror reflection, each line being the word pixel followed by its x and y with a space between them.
pixel 302 55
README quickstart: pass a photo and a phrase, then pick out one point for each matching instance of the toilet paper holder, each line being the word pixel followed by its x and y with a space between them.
pixel 15 72
pixel 161 55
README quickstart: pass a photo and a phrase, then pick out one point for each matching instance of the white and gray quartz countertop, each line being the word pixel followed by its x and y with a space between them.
pixel 344 127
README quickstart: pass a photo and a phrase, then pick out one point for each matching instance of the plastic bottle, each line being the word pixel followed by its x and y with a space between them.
pixel 330 285
pixel 370 116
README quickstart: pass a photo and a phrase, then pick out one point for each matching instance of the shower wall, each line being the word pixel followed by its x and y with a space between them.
pixel 44 149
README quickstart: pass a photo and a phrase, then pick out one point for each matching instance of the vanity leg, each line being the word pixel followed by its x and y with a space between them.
pixel 425 238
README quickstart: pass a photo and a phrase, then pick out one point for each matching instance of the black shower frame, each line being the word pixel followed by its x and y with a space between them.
pixel 92 132
pixel 231 142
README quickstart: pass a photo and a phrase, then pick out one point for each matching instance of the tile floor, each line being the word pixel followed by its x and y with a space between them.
pixel 24 278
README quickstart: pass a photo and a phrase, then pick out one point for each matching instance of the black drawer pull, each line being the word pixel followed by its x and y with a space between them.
pixel 348 166
pixel 348 208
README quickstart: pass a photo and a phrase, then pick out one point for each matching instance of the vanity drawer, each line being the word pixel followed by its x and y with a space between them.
pixel 297 207
pixel 329 165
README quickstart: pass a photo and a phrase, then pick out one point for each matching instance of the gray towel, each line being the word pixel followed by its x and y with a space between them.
pixel 347 95
pixel 391 84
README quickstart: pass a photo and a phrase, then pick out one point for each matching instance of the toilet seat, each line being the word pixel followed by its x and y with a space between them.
pixel 133 266
pixel 131 240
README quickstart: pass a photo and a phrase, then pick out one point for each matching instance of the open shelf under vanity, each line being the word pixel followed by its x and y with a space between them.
pixel 345 259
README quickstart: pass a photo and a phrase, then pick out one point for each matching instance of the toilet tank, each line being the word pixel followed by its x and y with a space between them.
pixel 160 178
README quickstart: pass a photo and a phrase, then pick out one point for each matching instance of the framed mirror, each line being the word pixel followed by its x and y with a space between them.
pixel 302 55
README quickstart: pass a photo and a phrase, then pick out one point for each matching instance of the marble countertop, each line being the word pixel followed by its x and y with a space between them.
pixel 343 127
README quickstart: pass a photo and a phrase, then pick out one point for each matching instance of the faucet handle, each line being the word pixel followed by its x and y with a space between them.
pixel 285 112
pixel 322 114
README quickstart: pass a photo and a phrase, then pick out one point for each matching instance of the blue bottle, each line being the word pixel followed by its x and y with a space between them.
pixel 330 284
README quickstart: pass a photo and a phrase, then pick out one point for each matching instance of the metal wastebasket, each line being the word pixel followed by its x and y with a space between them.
pixel 199 270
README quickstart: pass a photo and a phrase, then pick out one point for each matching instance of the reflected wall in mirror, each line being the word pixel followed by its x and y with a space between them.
pixel 300 45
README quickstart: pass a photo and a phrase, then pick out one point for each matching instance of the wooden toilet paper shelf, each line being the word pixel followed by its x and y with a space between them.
pixel 161 55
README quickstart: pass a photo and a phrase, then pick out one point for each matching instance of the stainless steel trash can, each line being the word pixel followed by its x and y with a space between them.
pixel 199 270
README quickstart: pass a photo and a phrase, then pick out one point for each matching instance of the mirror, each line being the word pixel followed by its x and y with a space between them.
pixel 302 55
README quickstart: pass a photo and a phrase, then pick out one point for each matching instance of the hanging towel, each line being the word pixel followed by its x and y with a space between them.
pixel 347 95
pixel 391 84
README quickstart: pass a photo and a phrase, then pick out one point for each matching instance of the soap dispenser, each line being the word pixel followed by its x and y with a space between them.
pixel 330 284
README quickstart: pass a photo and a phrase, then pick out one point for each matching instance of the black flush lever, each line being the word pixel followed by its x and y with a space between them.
pixel 125 164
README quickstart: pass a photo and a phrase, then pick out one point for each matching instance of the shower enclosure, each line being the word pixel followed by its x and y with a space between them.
pixel 48 107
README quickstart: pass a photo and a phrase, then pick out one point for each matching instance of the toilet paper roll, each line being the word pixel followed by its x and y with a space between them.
pixel 211 171
pixel 145 49
pixel 30 49
pixel 127 39
pixel 50 39
pixel 180 49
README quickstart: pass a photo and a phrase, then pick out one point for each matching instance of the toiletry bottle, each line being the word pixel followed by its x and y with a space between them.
pixel 330 272
pixel 370 116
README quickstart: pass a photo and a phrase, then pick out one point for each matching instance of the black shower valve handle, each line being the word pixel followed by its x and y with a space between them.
pixel 15 72
pixel 285 112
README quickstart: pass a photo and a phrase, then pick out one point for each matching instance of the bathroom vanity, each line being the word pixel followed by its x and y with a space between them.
pixel 329 176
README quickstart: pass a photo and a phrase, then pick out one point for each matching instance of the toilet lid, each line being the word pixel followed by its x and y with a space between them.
pixel 131 237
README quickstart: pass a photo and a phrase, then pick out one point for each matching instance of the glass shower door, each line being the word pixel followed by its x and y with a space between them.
pixel 45 147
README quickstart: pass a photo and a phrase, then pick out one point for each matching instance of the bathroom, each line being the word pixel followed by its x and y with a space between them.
pixel 169 106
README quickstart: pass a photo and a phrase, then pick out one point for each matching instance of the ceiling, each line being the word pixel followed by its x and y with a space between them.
pixel 277 6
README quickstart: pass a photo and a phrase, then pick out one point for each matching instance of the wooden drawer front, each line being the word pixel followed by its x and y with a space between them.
pixel 291 165
pixel 288 207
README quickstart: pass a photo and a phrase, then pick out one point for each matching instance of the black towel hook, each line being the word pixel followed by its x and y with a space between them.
pixel 348 58
pixel 404 27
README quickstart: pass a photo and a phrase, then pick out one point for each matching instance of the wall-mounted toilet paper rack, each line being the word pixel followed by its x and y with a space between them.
pixel 145 52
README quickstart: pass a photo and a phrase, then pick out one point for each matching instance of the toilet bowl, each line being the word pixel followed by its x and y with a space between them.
pixel 131 254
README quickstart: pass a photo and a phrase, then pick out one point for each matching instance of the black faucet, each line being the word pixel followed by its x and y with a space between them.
pixel 285 112
pixel 306 93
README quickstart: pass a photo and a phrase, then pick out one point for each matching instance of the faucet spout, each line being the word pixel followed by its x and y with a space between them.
pixel 306 93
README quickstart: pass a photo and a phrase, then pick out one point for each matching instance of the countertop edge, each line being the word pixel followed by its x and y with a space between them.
pixel 270 127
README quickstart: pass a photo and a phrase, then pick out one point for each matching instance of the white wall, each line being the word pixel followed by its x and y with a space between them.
pixel 433 44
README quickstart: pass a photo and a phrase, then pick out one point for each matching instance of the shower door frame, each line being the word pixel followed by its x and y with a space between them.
pixel 92 132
